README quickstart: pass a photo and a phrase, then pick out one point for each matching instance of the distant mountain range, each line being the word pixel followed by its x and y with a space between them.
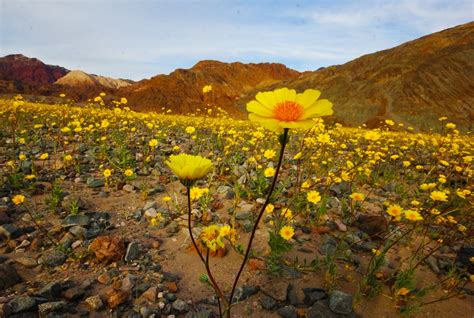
pixel 414 83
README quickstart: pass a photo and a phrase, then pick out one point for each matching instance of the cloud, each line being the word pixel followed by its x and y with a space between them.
pixel 141 38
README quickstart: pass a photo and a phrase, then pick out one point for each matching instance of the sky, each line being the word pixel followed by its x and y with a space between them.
pixel 138 39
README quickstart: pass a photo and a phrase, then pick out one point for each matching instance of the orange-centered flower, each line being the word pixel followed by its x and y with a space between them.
pixel 284 108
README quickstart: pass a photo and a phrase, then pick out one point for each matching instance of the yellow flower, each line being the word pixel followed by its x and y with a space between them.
pixel 269 172
pixel 153 143
pixel 376 252
pixel 395 210
pixel 298 156
pixel 107 173
pixel 389 122
pixel 44 156
pixel 284 108
pixel 189 167
pixel 67 158
pixel 313 197
pixel 18 199
pixel 287 213
pixel 269 208
pixel 403 291
pixel 438 196
pixel 166 198
pixel 413 215
pixel 190 129
pixel 30 176
pixel 128 173
pixel 206 89
pixel 269 154
pixel 195 193
pixel 22 157
pixel 62 95
pixel 450 126
pixel 287 232
pixel 357 196
pixel 123 100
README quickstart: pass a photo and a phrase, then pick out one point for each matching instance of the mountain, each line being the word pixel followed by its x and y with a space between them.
pixel 80 78
pixel 414 83
pixel 30 71
pixel 181 90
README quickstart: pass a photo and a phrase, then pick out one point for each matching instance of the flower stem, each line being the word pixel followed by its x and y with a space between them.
pixel 217 290
pixel 283 141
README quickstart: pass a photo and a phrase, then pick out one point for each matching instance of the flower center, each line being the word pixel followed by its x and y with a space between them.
pixel 288 111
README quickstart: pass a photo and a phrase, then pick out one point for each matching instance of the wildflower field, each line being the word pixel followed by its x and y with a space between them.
pixel 152 213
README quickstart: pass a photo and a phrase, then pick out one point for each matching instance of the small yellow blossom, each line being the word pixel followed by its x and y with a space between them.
pixel 287 232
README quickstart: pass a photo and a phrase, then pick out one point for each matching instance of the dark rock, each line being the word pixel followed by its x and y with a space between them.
pixel 133 252
pixel 242 216
pixel 4 218
pixel 54 306
pixel 81 220
pixel 51 290
pixel 9 276
pixel 340 302
pixel 78 231
pixel 74 293
pixel 374 225
pixel 170 297
pixel 22 303
pixel 432 262
pixel 268 303
pixel 464 256
pixel 180 306
pixel 287 312
pixel 291 296
pixel 312 295
pixel 170 277
pixel 321 310
pixel 244 292
pixel 9 231
pixel 52 258
pixel 95 183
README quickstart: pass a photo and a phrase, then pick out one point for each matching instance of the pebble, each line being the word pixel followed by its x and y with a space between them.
pixel 21 304
pixel 340 302
pixel 94 302
pixel 28 262
pixel 52 258
pixel 287 312
pixel 180 306
pixel 45 308
pixel 9 276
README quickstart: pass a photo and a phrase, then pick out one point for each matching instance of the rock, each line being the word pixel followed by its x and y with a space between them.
pixel 71 220
pixel 340 226
pixel 28 262
pixel 94 302
pixel 71 201
pixel 170 297
pixel 116 297
pixel 170 277
pixel 291 296
pixel 150 205
pixel 268 303
pixel 129 282
pixel 9 276
pixel 4 218
pixel 223 189
pixel 133 252
pixel 244 292
pixel 9 231
pixel 203 314
pixel 374 225
pixel 108 248
pixel 432 262
pixel 94 182
pixel 312 295
pixel 464 256
pixel 150 213
pixel 321 310
pixel 287 312
pixel 78 231
pixel 242 215
pixel 22 303
pixel 340 302
pixel 104 278
pixel 128 188
pixel 173 227
pixel 67 240
pixel 50 290
pixel 52 258
pixel 74 293
pixel 180 306
pixel 54 306
pixel 150 294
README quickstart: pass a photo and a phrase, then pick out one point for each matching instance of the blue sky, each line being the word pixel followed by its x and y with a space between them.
pixel 138 39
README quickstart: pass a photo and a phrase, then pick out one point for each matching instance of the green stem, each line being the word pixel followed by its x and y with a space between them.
pixel 217 290
pixel 283 142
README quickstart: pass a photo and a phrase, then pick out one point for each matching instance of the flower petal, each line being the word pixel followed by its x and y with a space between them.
pixel 284 94
pixel 267 99
pixel 320 108
pixel 308 98
pixel 259 109
pixel 302 124
pixel 269 123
